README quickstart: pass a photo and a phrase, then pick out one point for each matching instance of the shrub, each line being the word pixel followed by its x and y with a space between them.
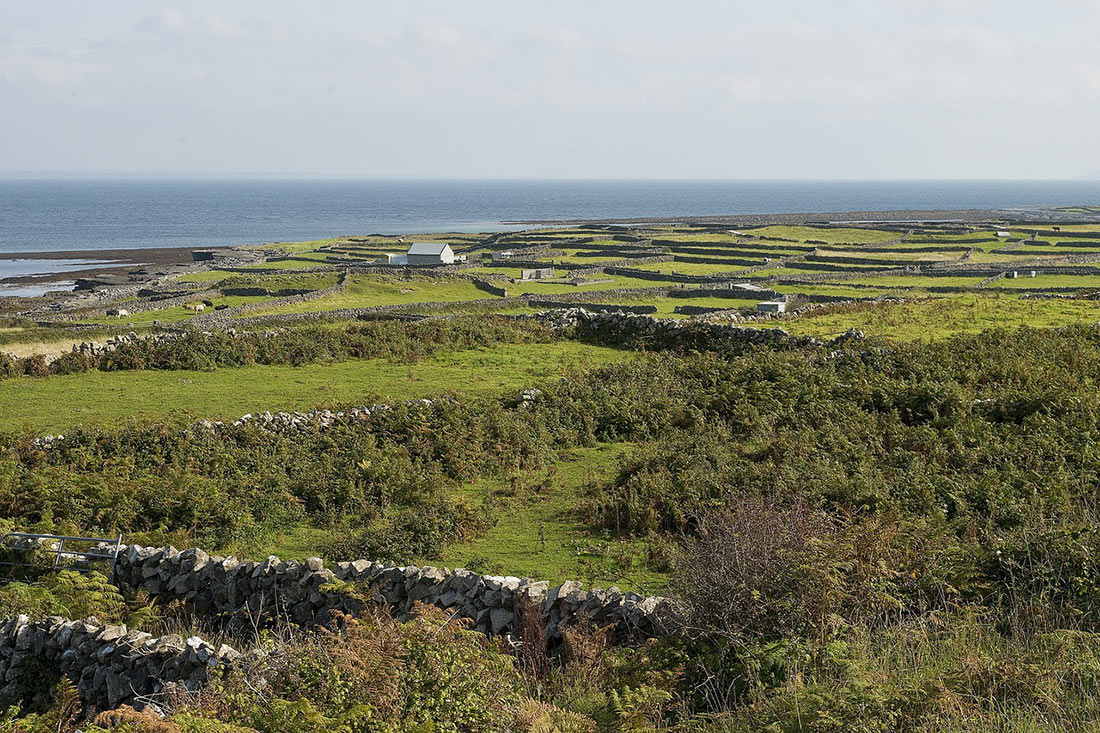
pixel 750 574
pixel 373 675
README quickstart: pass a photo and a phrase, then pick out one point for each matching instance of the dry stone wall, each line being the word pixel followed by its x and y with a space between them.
pixel 730 261
pixel 624 328
pixel 308 593
pixel 596 307
pixel 110 665
pixel 488 287
pixel 670 277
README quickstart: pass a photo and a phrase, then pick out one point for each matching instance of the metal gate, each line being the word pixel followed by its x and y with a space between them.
pixel 54 551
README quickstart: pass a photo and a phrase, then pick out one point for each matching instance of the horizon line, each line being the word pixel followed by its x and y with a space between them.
pixel 395 178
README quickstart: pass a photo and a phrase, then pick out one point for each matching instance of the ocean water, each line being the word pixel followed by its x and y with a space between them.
pixel 43 215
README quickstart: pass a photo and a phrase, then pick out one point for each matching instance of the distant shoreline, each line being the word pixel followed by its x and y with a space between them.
pixel 830 217
pixel 107 262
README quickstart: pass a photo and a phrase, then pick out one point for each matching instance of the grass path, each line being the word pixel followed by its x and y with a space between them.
pixel 540 506
pixel 58 403
pixel 544 506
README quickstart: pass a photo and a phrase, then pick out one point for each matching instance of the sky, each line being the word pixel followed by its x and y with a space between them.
pixel 783 89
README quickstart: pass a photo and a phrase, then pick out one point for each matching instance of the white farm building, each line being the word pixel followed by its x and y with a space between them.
pixel 430 253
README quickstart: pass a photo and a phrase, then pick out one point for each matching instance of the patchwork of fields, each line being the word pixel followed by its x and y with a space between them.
pixel 673 271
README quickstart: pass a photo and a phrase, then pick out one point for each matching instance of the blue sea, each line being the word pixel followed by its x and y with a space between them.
pixel 87 215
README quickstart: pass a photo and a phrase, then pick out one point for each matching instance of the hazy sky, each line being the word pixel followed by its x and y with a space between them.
pixel 586 88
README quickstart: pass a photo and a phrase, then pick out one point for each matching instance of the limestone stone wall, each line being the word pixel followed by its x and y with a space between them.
pixel 596 307
pixel 307 593
pixel 731 261
pixel 489 287
pixel 613 328
pixel 670 277
pixel 110 665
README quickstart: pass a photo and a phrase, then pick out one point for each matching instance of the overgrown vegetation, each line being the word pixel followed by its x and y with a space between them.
pixel 868 537
pixel 298 346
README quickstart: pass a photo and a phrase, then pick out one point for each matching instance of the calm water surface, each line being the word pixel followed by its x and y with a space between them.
pixel 95 215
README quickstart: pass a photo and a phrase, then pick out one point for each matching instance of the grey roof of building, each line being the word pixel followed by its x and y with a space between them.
pixel 427 248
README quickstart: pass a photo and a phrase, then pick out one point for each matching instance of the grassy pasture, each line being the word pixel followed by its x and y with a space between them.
pixel 542 288
pixel 693 268
pixel 60 402
pixel 667 306
pixel 788 271
pixel 940 317
pixel 371 290
pixel 839 235
pixel 175 314
pixel 916 281
pixel 876 254
pixel 1048 281
pixel 810 267
pixel 679 236
pixel 826 289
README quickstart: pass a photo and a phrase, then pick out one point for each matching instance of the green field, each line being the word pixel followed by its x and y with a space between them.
pixel 827 289
pixel 916 281
pixel 666 306
pixel 938 318
pixel 548 288
pixel 838 235
pixel 60 402
pixel 908 256
pixel 372 290
pixel 695 268
pixel 674 235
pixel 175 314
pixel 1024 282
